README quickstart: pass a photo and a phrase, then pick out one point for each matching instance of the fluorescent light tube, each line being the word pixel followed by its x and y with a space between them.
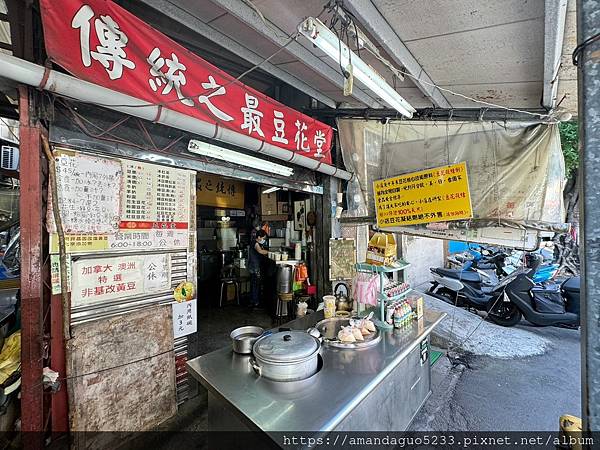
pixel 271 189
pixel 321 36
pixel 224 154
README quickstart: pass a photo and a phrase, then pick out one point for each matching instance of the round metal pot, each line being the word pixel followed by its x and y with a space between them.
pixel 243 338
pixel 286 356
pixel 343 303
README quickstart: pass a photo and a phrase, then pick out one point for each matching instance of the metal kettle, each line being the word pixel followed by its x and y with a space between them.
pixel 342 303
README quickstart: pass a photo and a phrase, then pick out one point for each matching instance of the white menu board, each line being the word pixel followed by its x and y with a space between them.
pixel 155 194
pixel 89 193
pixel 125 205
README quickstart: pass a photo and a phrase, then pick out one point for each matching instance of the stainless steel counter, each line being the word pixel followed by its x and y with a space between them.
pixel 319 403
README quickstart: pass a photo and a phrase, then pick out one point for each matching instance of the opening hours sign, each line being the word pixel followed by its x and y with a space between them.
pixel 433 195
pixel 100 42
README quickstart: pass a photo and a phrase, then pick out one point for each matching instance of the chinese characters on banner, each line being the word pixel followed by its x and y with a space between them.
pixel 99 279
pixel 185 319
pixel 100 42
pixel 212 190
pixel 88 193
pixel 432 195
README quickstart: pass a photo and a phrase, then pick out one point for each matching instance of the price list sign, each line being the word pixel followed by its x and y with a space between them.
pixel 112 204
pixel 88 193
pixel 155 197
pixel 433 195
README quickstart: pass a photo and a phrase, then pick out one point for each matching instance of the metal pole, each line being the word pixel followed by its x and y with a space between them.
pixel 32 332
pixel 588 25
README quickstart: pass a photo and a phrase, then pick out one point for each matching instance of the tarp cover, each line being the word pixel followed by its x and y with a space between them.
pixel 516 170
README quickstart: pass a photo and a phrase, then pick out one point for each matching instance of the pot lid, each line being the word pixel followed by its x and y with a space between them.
pixel 286 346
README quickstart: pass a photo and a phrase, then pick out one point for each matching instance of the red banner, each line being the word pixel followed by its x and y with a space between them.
pixel 98 41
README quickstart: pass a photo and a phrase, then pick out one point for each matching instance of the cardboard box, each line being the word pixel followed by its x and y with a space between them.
pixel 283 208
pixel 382 249
pixel 268 204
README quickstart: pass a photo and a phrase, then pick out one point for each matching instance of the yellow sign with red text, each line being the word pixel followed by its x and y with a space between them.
pixel 433 195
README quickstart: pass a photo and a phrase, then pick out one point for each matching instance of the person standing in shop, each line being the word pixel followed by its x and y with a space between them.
pixel 256 254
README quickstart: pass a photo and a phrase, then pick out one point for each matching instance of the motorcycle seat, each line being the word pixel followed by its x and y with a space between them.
pixel 572 285
pixel 460 275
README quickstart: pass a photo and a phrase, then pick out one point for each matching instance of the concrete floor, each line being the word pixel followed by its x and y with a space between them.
pixel 215 324
pixel 481 393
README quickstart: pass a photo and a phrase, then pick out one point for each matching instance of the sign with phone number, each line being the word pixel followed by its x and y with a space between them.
pixel 433 195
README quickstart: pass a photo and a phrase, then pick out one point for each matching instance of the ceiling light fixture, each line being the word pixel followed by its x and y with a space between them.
pixel 224 154
pixel 321 36
pixel 271 189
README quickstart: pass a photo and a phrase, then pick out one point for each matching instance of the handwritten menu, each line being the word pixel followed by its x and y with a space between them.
pixel 100 279
pixel 185 318
pixel 125 205
pixel 88 193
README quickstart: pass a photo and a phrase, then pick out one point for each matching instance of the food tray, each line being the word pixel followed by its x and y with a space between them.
pixel 329 329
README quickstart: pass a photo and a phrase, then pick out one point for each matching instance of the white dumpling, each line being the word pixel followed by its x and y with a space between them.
pixel 370 326
pixel 357 334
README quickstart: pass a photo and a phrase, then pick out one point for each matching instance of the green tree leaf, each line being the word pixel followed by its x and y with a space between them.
pixel 569 138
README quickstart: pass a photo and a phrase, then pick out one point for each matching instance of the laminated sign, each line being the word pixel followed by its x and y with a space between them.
pixel 433 195
pixel 100 279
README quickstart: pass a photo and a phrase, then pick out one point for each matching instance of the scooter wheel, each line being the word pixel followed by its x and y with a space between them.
pixel 503 313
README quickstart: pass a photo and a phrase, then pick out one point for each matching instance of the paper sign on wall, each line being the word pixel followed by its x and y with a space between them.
pixel 185 318
pixel 55 274
pixel 89 190
pixel 100 279
pixel 433 195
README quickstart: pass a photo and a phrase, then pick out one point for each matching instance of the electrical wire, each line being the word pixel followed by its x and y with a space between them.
pixel 106 369
pixel 579 49
pixel 206 92
pixel 340 4
pixel 333 23
pixel 83 122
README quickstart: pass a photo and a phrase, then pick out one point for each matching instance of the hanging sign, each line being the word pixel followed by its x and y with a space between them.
pixel 433 195
pixel 212 190
pixel 98 41
pixel 99 279
pixel 185 318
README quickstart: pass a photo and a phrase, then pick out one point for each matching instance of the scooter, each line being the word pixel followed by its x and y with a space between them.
pixel 488 262
pixel 545 272
pixel 468 289
pixel 540 305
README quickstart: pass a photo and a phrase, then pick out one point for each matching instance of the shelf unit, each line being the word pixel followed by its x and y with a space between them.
pixel 382 298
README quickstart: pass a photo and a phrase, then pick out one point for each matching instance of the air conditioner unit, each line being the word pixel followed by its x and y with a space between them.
pixel 9 158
